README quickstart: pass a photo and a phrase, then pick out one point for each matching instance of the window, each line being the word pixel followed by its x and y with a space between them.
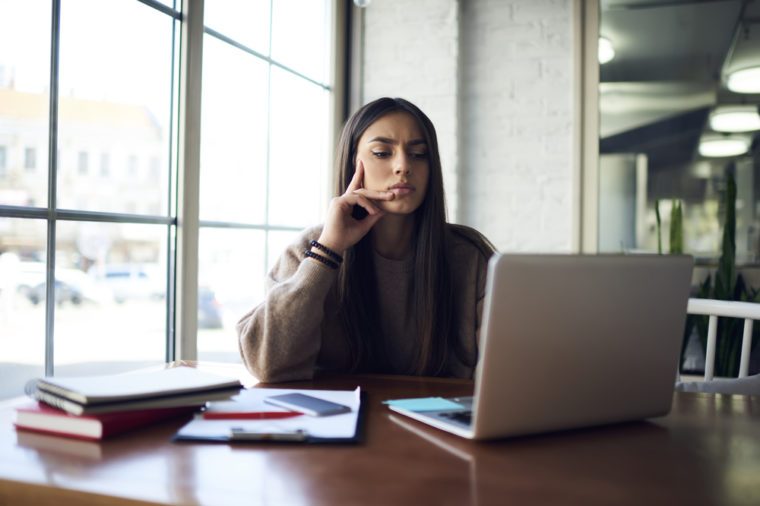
pixel 105 165
pixel 82 160
pixel 30 159
pixel 108 245
pixel 132 166
pixel 266 89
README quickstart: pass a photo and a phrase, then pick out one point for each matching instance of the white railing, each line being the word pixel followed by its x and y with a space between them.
pixel 749 311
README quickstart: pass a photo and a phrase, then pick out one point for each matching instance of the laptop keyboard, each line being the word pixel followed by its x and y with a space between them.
pixel 464 417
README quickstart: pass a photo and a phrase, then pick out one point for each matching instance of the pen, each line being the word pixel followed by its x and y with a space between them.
pixel 249 415
pixel 240 434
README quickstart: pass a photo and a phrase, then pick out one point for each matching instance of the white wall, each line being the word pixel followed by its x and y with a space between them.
pixel 496 78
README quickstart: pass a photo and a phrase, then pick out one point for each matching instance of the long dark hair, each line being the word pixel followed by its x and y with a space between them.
pixel 431 289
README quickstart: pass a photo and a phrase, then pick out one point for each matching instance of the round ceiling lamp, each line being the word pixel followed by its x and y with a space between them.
pixel 745 80
pixel 719 147
pixel 740 118
pixel 606 51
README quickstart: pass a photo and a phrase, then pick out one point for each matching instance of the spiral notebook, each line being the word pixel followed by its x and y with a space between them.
pixel 160 388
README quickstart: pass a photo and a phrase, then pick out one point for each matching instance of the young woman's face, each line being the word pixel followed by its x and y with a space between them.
pixel 395 157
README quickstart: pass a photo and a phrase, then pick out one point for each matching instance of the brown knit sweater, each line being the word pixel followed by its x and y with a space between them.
pixel 297 329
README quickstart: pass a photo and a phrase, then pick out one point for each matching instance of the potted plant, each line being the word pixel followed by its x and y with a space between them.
pixel 725 284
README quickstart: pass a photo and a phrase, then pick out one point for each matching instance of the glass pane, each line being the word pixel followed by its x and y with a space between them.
pixel 279 240
pixel 24 101
pixel 298 171
pixel 300 36
pixel 22 303
pixel 245 21
pixel 111 297
pixel 233 134
pixel 665 92
pixel 231 281
pixel 114 115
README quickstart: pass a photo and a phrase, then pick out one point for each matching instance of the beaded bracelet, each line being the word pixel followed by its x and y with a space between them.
pixel 320 258
pixel 332 254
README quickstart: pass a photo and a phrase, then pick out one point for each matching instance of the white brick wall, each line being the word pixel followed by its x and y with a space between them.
pixel 495 76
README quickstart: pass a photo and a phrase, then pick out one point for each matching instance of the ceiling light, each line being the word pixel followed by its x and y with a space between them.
pixel 606 51
pixel 740 118
pixel 716 147
pixel 744 81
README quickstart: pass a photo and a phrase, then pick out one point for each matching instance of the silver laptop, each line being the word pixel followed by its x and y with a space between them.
pixel 570 341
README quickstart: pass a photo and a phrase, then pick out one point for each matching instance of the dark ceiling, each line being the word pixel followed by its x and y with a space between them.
pixel 671 61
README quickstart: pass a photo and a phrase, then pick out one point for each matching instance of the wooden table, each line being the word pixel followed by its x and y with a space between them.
pixel 707 451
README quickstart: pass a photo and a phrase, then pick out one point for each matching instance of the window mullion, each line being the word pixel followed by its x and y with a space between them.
pixel 189 181
pixel 52 180
pixel 269 140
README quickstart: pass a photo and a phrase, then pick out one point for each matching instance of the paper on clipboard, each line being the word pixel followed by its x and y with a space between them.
pixel 337 427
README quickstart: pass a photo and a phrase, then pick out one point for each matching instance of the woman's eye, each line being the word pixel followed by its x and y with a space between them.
pixel 419 156
pixel 381 154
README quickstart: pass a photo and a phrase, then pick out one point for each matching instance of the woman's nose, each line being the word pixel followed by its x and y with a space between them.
pixel 403 165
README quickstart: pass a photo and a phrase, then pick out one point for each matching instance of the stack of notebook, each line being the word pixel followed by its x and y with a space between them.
pixel 95 407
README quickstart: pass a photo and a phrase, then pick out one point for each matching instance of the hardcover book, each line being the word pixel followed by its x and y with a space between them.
pixel 39 417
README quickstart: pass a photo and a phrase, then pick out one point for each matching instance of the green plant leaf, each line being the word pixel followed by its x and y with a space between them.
pixel 676 228
pixel 725 277
pixel 659 226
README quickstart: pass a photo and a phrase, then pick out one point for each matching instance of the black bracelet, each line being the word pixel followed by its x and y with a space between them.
pixel 320 258
pixel 332 254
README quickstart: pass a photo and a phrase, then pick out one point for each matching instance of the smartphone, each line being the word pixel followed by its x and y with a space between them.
pixel 307 404
pixel 358 212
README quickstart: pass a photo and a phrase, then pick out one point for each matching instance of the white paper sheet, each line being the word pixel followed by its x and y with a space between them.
pixel 341 426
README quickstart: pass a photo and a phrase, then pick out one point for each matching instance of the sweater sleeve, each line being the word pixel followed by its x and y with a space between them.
pixel 280 338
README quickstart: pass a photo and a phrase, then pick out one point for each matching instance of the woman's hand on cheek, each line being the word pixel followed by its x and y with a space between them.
pixel 341 230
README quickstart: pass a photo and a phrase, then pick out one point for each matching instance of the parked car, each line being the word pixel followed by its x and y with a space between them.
pixel 131 281
pixel 63 293
pixel 71 285
pixel 28 278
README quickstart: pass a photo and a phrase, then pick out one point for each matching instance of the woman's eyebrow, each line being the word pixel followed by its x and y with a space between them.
pixel 387 140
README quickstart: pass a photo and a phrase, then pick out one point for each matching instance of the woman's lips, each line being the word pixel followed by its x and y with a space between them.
pixel 402 189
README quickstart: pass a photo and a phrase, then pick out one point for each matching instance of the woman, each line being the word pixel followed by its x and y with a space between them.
pixel 385 285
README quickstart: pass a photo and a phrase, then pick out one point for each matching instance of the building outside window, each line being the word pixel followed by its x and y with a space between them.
pixel 105 165
pixel 82 163
pixel 30 159
pixel 132 166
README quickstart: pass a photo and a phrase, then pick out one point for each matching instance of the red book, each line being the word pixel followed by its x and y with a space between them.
pixel 41 418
